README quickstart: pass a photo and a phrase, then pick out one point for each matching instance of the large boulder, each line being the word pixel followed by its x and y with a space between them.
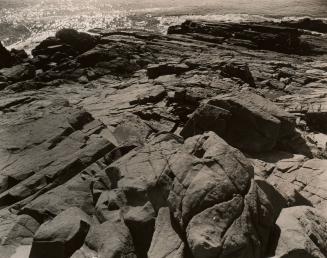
pixel 245 120
pixel 62 236
pixel 203 181
pixel 110 240
pixel 166 243
pixel 80 41
pixel 302 233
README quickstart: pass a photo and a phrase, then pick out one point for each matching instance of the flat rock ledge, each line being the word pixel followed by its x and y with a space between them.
pixel 207 142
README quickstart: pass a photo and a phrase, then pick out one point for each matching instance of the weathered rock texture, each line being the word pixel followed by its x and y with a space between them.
pixel 302 233
pixel 194 144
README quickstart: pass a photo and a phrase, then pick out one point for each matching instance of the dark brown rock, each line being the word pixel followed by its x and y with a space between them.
pixel 78 40
pixel 273 37
pixel 154 71
pixel 6 60
pixel 255 124
pixel 238 70
pixel 307 24
pixel 207 118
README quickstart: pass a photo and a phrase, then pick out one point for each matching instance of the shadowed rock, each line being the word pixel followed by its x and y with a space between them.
pixel 6 59
pixel 273 37
pixel 245 120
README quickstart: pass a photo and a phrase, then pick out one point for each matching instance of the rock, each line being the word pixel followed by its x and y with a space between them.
pixel 17 231
pixel 246 121
pixel 154 95
pixel 18 73
pixel 238 70
pixel 272 37
pixel 132 130
pixel 67 43
pixel 74 193
pixel 110 240
pixel 109 204
pixel 302 233
pixel 165 242
pixel 140 221
pixel 62 236
pixel 6 60
pixel 50 152
pixel 80 41
pixel 115 58
pixel 307 24
pixel 19 54
pixel 278 201
pixel 306 178
pixel 122 161
pixel 154 71
pixel 193 178
pixel 207 118
pixel 43 46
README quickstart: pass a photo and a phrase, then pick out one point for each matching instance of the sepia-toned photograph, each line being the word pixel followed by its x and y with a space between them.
pixel 163 129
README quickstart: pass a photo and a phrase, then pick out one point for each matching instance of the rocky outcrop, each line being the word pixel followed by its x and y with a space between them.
pixel 308 24
pixel 271 37
pixel 197 179
pixel 92 162
pixel 246 121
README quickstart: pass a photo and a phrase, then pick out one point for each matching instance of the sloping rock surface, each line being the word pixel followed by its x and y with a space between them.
pixel 92 162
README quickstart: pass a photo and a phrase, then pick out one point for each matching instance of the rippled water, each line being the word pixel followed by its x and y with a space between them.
pixel 35 19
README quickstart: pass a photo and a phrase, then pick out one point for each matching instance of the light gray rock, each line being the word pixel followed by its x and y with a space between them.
pixel 166 243
pixel 303 233
pixel 62 236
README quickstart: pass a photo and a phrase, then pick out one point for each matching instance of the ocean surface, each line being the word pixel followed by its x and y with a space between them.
pixel 25 21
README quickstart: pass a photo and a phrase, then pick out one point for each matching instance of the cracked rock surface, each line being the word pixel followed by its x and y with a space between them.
pixel 207 142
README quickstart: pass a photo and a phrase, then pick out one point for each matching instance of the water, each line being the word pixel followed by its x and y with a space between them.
pixel 32 20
